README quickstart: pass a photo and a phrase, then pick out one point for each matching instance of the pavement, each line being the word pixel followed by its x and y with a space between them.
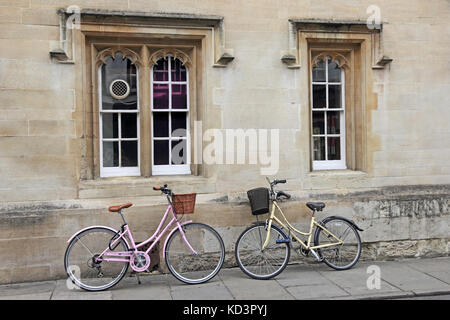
pixel 404 279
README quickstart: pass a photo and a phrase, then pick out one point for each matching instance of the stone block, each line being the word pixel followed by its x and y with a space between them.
pixel 52 128
pixel 40 16
pixel 10 15
pixel 11 128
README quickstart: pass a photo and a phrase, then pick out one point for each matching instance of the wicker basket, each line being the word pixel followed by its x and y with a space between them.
pixel 184 203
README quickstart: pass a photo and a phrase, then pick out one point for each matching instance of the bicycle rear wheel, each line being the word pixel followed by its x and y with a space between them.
pixel 199 267
pixel 257 263
pixel 84 269
pixel 345 255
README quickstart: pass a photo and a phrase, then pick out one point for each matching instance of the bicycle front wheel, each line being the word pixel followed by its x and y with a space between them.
pixel 258 263
pixel 199 266
pixel 82 263
pixel 342 256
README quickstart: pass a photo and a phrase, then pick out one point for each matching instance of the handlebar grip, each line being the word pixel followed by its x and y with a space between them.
pixel 282 181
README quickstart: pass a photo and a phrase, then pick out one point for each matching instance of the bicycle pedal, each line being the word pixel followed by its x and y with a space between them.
pixel 287 240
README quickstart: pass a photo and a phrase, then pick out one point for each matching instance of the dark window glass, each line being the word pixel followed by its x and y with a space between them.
pixel 179 96
pixel 129 153
pixel 179 120
pixel 110 125
pixel 334 148
pixel 129 125
pixel 161 70
pixel 178 70
pixel 319 96
pixel 110 154
pixel 333 122
pixel 160 96
pixel 334 96
pixel 161 152
pixel 318 122
pixel 161 124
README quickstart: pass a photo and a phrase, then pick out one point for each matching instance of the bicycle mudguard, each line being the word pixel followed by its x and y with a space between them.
pixel 343 218
pixel 92 227
pixel 168 236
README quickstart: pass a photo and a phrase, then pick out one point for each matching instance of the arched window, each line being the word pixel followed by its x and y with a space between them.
pixel 170 116
pixel 328 114
pixel 119 117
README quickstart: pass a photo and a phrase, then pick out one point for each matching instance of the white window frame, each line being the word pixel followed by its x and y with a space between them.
pixel 329 164
pixel 118 171
pixel 171 169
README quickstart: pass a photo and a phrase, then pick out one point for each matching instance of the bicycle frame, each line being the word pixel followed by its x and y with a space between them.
pixel 126 233
pixel 289 227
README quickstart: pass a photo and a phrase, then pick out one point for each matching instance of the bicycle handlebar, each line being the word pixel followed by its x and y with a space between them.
pixel 163 189
pixel 284 194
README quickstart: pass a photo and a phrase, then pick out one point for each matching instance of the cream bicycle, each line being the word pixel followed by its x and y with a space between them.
pixel 263 250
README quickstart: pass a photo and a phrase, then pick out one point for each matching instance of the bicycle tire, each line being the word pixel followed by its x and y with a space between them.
pixel 240 250
pixel 187 266
pixel 323 253
pixel 68 266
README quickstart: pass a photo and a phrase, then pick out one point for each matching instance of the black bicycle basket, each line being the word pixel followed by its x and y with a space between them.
pixel 259 200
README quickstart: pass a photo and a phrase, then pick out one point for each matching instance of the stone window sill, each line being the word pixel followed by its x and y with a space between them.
pixel 337 173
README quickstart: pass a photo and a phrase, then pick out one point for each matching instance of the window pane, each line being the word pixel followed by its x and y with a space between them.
pixel 110 125
pixel 179 151
pixel 179 120
pixel 129 125
pixel 129 153
pixel 110 154
pixel 179 96
pixel 319 96
pixel 160 96
pixel 319 72
pixel 333 122
pixel 160 124
pixel 334 72
pixel 178 70
pixel 318 122
pixel 334 96
pixel 319 148
pixel 114 69
pixel 334 148
pixel 161 70
pixel 161 152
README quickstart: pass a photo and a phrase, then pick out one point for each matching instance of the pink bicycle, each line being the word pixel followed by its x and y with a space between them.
pixel 98 257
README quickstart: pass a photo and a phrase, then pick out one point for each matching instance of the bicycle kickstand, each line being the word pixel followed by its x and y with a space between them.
pixel 138 279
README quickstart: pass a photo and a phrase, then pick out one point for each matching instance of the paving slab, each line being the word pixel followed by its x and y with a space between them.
pixel 214 290
pixel 22 289
pixel 62 292
pixel 29 296
pixel 151 288
pixel 300 275
pixel 438 268
pixel 354 281
pixel 244 288
pixel 318 291
pixel 406 278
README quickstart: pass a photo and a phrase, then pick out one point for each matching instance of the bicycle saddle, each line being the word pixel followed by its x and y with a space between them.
pixel 120 207
pixel 315 206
